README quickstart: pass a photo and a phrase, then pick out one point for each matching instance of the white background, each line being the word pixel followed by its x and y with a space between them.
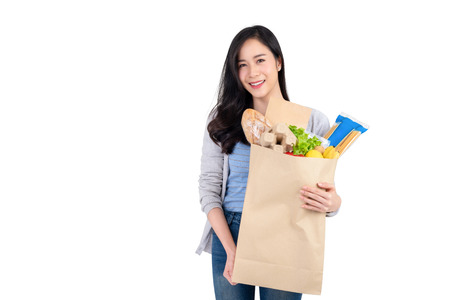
pixel 103 107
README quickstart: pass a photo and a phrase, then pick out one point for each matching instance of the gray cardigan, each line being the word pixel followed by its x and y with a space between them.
pixel 214 174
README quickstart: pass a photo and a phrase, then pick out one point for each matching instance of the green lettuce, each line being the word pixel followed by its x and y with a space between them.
pixel 304 142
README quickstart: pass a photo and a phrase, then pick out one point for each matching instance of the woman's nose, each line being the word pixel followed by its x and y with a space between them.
pixel 254 71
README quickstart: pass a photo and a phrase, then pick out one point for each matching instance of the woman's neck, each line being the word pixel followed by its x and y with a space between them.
pixel 260 104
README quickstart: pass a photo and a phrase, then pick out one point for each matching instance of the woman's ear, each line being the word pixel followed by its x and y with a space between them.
pixel 279 64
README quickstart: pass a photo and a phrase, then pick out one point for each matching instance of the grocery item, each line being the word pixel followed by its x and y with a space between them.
pixel 271 207
pixel 343 126
pixel 347 141
pixel 268 139
pixel 305 141
pixel 278 138
pixel 331 153
pixel 314 153
pixel 296 141
pixel 289 143
pixel 254 123
pixel 332 129
pixel 292 154
pixel 285 137
pixel 278 148
pixel 280 244
pixel 321 149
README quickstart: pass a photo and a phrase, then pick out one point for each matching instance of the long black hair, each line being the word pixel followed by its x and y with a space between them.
pixel 225 128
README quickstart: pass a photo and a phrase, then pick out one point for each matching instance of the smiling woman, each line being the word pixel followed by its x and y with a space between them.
pixel 259 73
pixel 253 73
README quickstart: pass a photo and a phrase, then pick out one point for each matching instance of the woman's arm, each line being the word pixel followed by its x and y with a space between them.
pixel 219 224
pixel 210 189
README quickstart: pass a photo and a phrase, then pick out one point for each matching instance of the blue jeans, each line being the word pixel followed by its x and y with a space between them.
pixel 222 288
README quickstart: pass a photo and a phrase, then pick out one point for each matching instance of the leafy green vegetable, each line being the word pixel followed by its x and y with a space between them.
pixel 304 143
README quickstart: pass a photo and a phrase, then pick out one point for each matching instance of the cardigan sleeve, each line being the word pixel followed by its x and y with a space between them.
pixel 211 173
pixel 318 123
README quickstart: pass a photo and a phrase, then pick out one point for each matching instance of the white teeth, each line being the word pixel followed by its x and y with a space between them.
pixel 258 83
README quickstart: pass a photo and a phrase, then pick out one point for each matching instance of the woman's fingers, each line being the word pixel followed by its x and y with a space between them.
pixel 325 185
pixel 228 272
pixel 228 277
pixel 309 204
pixel 315 199
pixel 316 194
pixel 323 199
pixel 312 207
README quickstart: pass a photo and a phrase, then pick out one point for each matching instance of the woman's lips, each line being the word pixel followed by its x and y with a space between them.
pixel 257 84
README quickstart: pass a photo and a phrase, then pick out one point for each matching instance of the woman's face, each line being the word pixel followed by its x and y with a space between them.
pixel 258 70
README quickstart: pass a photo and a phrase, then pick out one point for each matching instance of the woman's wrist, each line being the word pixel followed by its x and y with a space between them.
pixel 231 251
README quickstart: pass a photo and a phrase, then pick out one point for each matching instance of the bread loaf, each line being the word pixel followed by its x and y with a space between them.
pixel 254 124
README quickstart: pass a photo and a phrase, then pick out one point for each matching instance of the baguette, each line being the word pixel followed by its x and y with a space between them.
pixel 254 124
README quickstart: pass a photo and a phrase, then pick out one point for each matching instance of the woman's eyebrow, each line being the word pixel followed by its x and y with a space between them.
pixel 256 56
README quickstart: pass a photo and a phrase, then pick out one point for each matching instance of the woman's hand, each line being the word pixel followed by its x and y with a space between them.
pixel 229 265
pixel 322 199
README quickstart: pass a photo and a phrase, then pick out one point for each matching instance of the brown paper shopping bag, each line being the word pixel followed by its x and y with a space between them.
pixel 281 244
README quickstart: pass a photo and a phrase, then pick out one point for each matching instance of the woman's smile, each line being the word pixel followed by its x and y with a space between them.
pixel 257 84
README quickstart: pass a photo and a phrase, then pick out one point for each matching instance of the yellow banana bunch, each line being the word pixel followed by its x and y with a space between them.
pixel 331 153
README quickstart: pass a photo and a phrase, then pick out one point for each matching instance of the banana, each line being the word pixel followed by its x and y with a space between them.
pixel 336 155
pixel 325 153
pixel 331 153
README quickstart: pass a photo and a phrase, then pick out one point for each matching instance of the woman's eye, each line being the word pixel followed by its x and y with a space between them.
pixel 241 65
pixel 260 60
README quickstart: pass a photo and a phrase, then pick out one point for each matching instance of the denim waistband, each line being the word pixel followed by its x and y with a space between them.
pixel 232 216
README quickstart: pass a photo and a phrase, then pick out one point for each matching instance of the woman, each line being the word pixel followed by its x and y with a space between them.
pixel 253 73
